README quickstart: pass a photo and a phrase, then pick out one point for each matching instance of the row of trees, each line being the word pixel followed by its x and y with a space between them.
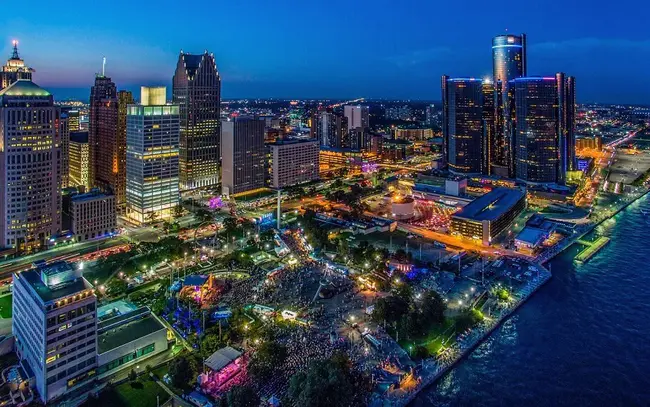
pixel 413 316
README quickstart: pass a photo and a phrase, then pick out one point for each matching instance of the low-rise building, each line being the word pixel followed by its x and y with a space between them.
pixel 90 215
pixel 487 216
pixel 127 336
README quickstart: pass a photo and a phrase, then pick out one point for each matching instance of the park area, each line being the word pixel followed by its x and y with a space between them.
pixel 5 306
pixel 144 392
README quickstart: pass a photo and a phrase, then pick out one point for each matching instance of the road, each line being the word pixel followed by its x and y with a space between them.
pixel 454 242
pixel 9 266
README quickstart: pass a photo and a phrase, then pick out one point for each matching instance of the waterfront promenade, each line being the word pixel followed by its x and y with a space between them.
pixel 432 369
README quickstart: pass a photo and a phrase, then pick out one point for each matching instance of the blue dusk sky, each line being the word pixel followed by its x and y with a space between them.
pixel 330 49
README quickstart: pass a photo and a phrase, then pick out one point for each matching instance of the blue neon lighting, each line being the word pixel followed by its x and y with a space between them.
pixel 507 46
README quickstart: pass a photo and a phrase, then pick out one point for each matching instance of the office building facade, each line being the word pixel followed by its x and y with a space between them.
pixel 79 160
pixel 542 126
pixel 55 325
pixel 358 116
pixel 30 166
pixel 244 155
pixel 152 159
pixel 197 93
pixel 92 215
pixel 293 162
pixel 463 124
pixel 102 125
pixel 63 127
pixel 330 129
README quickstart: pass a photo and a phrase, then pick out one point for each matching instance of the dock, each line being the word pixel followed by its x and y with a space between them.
pixel 591 249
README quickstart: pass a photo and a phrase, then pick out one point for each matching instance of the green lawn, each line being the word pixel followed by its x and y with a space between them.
pixel 5 306
pixel 137 394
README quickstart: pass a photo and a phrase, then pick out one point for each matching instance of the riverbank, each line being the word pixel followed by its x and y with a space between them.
pixel 432 369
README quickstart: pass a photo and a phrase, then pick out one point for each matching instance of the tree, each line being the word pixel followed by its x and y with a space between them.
pixel 325 383
pixel 203 215
pixel 183 371
pixel 389 309
pixel 210 344
pixel 230 225
pixel 241 396
pixel 152 216
pixel 266 360
pixel 178 211
pixel 433 307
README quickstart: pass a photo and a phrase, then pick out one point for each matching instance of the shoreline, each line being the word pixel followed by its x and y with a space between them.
pixel 432 372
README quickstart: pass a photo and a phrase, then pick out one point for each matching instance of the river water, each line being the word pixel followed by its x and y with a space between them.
pixel 582 340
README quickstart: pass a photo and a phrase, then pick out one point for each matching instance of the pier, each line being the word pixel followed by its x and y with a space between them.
pixel 591 249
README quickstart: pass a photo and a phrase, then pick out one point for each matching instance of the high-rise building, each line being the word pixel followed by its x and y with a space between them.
pixel 293 162
pixel 55 325
pixel 464 124
pixel 430 115
pixel 14 70
pixel 509 62
pixel 152 162
pixel 79 160
pixel 103 124
pixel 73 118
pixel 197 92
pixel 542 126
pixel 508 58
pixel 244 155
pixel 330 129
pixel 30 166
pixel 63 127
pixel 117 179
pixel 358 116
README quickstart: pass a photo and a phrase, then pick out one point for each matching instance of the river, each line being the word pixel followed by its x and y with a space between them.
pixel 581 340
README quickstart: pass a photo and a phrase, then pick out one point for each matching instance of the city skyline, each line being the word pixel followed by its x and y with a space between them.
pixel 276 55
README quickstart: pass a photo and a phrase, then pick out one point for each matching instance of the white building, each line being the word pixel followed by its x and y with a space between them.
pixel 152 173
pixel 293 162
pixel 358 116
pixel 30 166
pixel 55 325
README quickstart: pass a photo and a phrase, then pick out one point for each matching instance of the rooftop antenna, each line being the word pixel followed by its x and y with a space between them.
pixel 104 67
pixel 15 54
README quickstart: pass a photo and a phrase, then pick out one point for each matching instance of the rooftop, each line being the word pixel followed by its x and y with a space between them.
pixel 222 358
pixel 24 87
pixel 53 293
pixel 530 235
pixel 491 205
pixel 291 141
pixel 127 333
pixel 94 193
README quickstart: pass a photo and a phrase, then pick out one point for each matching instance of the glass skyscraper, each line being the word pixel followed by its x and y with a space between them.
pixel 509 62
pixel 152 165
pixel 464 123
pixel 197 92
pixel 541 113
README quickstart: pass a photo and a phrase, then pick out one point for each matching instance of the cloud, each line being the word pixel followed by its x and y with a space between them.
pixel 417 57
pixel 590 43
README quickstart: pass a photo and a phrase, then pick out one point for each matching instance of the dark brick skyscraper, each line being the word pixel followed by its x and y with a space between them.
pixel 103 96
pixel 197 91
